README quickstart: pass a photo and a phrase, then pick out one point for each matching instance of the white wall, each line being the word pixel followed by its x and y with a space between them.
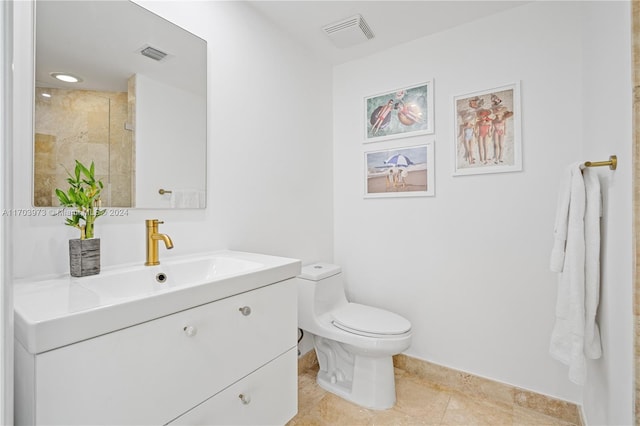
pixel 469 267
pixel 264 95
pixel 6 270
pixel 172 122
pixel 607 117
pixel 473 277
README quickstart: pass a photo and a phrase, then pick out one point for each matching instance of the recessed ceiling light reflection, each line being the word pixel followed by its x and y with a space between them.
pixel 66 77
pixel 46 95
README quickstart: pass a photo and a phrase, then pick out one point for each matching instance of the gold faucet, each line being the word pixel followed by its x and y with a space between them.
pixel 153 236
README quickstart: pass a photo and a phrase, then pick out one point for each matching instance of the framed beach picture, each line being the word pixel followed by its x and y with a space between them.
pixel 400 172
pixel 399 113
pixel 487 131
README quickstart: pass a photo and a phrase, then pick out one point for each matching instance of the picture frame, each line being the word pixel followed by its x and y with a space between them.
pixel 487 131
pixel 399 113
pixel 400 172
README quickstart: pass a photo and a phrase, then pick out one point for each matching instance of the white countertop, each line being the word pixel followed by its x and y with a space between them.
pixel 51 313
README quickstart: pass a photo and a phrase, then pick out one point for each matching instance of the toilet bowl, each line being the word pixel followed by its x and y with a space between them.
pixel 354 343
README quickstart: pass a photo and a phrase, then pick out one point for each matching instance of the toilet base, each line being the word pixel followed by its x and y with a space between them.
pixel 363 380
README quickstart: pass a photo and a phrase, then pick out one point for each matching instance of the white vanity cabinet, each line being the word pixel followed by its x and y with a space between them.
pixel 230 361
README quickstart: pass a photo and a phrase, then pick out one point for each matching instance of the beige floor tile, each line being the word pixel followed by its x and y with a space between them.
pixel 305 420
pixel 333 410
pixel 418 398
pixel 309 393
pixel 469 411
pixel 394 417
pixel 420 402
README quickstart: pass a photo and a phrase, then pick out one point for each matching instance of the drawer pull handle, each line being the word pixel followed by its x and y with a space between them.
pixel 246 310
pixel 190 330
pixel 246 399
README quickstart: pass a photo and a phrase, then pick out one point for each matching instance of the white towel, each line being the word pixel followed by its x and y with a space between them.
pixel 562 220
pixel 592 215
pixel 575 256
pixel 187 198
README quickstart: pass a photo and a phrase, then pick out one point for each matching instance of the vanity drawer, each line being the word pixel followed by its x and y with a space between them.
pixel 269 397
pixel 155 371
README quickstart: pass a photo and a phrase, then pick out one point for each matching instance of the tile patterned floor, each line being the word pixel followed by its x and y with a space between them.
pixel 419 402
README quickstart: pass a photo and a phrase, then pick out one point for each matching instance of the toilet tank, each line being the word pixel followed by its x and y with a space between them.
pixel 320 289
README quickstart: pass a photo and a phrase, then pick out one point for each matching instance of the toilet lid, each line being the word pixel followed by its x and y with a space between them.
pixel 368 321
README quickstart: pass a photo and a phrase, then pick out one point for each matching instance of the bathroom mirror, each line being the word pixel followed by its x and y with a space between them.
pixel 138 109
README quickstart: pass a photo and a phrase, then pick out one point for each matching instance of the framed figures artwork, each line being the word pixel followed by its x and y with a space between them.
pixel 487 131
pixel 400 172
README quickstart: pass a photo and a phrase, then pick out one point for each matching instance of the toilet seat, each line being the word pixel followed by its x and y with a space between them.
pixel 369 321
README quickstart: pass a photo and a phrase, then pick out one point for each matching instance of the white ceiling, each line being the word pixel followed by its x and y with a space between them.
pixel 392 22
pixel 78 36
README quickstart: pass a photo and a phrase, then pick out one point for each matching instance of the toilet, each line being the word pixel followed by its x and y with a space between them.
pixel 354 343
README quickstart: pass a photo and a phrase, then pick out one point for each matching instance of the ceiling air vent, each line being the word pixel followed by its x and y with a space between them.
pixel 153 53
pixel 349 32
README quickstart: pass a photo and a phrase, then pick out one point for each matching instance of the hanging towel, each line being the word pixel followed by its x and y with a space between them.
pixel 575 256
pixel 592 215
pixel 187 198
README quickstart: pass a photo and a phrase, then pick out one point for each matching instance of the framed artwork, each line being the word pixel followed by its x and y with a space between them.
pixel 399 113
pixel 400 172
pixel 487 131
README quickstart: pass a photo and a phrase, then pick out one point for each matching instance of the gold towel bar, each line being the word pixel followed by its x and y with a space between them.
pixel 612 163
pixel 163 191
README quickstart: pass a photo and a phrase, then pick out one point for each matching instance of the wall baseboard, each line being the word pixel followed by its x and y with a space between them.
pixel 489 389
pixel 307 361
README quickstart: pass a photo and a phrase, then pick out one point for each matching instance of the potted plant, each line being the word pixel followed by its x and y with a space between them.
pixel 83 195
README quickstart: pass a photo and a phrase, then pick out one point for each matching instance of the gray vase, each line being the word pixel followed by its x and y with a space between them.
pixel 84 257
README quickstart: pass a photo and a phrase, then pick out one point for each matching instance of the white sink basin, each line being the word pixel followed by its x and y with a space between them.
pixel 170 275
pixel 56 312
pixel 209 268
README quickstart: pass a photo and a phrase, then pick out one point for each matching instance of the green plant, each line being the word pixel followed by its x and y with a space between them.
pixel 84 196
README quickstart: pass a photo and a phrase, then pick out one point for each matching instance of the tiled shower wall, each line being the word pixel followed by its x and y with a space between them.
pixel 85 126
